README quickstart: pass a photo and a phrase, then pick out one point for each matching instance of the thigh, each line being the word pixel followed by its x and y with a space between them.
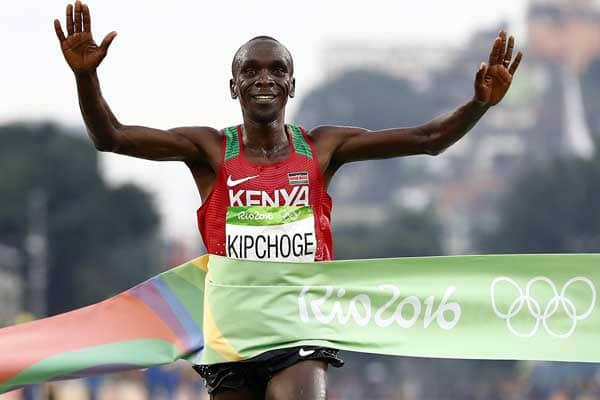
pixel 233 381
pixel 306 380
pixel 236 395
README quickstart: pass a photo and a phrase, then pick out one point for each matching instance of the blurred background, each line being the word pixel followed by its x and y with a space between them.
pixel 77 226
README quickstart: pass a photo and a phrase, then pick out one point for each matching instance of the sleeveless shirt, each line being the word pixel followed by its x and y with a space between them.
pixel 279 211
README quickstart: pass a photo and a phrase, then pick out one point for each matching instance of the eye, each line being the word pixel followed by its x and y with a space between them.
pixel 250 71
pixel 279 70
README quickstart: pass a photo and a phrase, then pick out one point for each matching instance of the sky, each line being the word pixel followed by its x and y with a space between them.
pixel 169 65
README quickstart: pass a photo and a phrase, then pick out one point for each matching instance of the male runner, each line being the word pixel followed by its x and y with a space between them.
pixel 264 184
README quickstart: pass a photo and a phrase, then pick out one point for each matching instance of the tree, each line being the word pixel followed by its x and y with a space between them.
pixel 371 100
pixel 552 208
pixel 100 239
pixel 367 99
pixel 406 233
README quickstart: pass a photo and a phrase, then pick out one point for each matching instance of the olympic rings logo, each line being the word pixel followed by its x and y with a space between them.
pixel 535 308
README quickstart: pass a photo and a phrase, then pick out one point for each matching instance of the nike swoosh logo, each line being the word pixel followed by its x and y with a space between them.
pixel 305 353
pixel 234 182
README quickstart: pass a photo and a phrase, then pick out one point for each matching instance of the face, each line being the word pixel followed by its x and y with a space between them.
pixel 263 80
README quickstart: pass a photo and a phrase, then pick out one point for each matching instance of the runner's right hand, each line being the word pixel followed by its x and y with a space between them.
pixel 80 50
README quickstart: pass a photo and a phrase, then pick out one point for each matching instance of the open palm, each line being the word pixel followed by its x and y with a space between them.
pixel 79 49
pixel 493 80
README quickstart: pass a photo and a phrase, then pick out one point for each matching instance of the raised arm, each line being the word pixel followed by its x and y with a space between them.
pixel 83 56
pixel 343 144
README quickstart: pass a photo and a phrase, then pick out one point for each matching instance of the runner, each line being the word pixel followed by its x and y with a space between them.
pixel 264 184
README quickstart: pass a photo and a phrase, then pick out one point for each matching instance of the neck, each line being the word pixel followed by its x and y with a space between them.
pixel 265 137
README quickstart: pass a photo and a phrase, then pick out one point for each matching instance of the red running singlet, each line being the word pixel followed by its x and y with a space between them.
pixel 279 211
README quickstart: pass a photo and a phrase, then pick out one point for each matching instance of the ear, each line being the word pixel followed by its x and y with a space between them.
pixel 233 88
pixel 293 88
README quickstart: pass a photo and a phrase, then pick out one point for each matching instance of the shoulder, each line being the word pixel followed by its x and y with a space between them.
pixel 334 133
pixel 328 139
pixel 195 132
pixel 200 135
pixel 207 141
pixel 335 130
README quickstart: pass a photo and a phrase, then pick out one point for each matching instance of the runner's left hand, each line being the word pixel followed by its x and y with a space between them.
pixel 494 79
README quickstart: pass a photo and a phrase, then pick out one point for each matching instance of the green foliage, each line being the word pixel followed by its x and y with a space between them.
pixel 100 239
pixel 406 233
pixel 553 208
pixel 368 99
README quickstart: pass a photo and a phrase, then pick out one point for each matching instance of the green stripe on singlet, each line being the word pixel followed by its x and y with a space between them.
pixel 267 216
pixel 300 144
pixel 232 147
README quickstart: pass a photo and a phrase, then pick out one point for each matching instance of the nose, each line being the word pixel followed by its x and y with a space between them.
pixel 264 79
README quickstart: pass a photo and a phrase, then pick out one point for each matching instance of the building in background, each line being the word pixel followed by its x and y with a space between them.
pixel 10 285
pixel 413 63
pixel 544 116
pixel 565 32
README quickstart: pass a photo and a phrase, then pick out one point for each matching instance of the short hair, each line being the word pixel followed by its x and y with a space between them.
pixel 235 63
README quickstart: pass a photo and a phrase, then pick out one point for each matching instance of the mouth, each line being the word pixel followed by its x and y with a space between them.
pixel 264 98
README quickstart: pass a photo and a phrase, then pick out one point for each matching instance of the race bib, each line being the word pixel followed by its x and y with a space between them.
pixel 271 233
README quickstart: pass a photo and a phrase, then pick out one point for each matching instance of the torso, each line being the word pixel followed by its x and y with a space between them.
pixel 267 211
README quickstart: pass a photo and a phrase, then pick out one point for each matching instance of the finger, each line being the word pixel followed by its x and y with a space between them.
pixel 77 16
pixel 59 32
pixel 70 19
pixel 107 41
pixel 481 74
pixel 509 51
pixel 499 55
pixel 87 21
pixel 515 64
pixel 495 53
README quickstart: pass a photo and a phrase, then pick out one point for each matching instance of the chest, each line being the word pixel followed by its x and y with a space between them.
pixel 287 184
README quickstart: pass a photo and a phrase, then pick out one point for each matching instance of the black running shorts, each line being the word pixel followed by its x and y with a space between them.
pixel 254 374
